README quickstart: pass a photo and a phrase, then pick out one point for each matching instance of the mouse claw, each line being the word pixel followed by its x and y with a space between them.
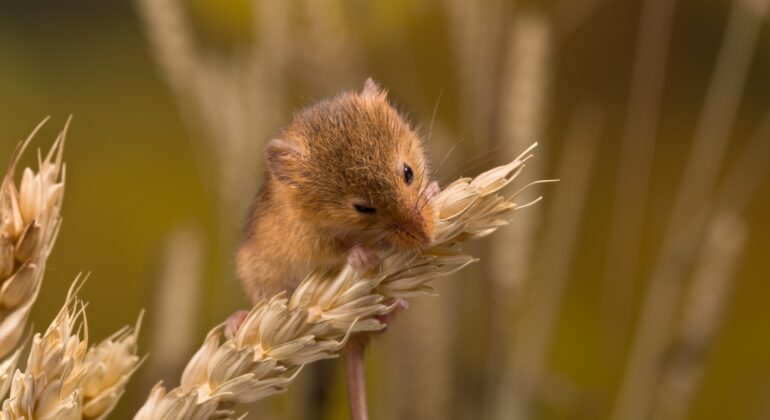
pixel 234 322
pixel 399 305
pixel 362 259
pixel 431 191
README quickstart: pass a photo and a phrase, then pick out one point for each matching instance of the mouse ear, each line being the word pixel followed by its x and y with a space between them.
pixel 283 157
pixel 372 90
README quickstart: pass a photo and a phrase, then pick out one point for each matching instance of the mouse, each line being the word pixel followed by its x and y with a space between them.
pixel 347 181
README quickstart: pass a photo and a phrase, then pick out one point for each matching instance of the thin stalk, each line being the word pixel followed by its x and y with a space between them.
pixel 353 353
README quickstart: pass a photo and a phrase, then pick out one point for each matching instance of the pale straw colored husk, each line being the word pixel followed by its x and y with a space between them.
pixel 284 333
pixel 64 379
pixel 29 221
pixel 109 366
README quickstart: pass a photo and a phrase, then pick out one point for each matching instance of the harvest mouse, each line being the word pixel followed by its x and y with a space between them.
pixel 346 181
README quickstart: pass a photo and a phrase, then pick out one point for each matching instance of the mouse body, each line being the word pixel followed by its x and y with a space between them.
pixel 346 182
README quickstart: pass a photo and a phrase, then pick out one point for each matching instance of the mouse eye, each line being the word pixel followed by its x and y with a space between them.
pixel 364 209
pixel 408 174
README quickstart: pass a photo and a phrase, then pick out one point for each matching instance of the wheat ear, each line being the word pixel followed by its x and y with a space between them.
pixel 64 379
pixel 29 221
pixel 282 334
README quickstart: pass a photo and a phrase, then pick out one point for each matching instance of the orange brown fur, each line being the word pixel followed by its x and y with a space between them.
pixel 346 150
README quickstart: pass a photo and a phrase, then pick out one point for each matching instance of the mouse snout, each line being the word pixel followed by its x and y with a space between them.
pixel 413 229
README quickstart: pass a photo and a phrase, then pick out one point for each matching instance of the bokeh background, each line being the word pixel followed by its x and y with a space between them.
pixel 638 288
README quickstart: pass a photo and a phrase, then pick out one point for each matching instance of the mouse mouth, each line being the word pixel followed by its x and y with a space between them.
pixel 412 239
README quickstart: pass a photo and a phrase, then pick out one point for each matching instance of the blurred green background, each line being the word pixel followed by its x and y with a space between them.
pixel 173 100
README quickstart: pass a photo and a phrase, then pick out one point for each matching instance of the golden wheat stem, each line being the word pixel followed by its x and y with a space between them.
pixel 282 334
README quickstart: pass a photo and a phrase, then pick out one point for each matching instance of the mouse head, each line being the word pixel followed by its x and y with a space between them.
pixel 356 171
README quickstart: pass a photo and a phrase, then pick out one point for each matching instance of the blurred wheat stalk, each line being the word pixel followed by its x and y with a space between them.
pixel 234 96
pixel 64 379
pixel 282 334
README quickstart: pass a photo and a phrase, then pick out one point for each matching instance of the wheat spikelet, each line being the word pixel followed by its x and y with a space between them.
pixel 29 221
pixel 109 366
pixel 64 379
pixel 49 387
pixel 284 333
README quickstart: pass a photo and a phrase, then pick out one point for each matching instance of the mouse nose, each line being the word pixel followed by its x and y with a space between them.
pixel 417 228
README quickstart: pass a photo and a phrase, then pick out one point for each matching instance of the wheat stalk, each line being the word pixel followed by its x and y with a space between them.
pixel 703 313
pixel 64 379
pixel 234 98
pixel 29 221
pixel 524 108
pixel 282 334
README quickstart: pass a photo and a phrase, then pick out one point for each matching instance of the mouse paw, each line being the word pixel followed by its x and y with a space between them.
pixel 431 191
pixel 234 322
pixel 362 259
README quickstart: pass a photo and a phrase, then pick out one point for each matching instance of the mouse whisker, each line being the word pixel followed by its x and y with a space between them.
pixel 472 163
pixel 435 110
pixel 446 155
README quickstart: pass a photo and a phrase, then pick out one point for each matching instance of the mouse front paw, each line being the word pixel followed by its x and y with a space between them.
pixel 398 305
pixel 431 191
pixel 362 259
pixel 234 322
